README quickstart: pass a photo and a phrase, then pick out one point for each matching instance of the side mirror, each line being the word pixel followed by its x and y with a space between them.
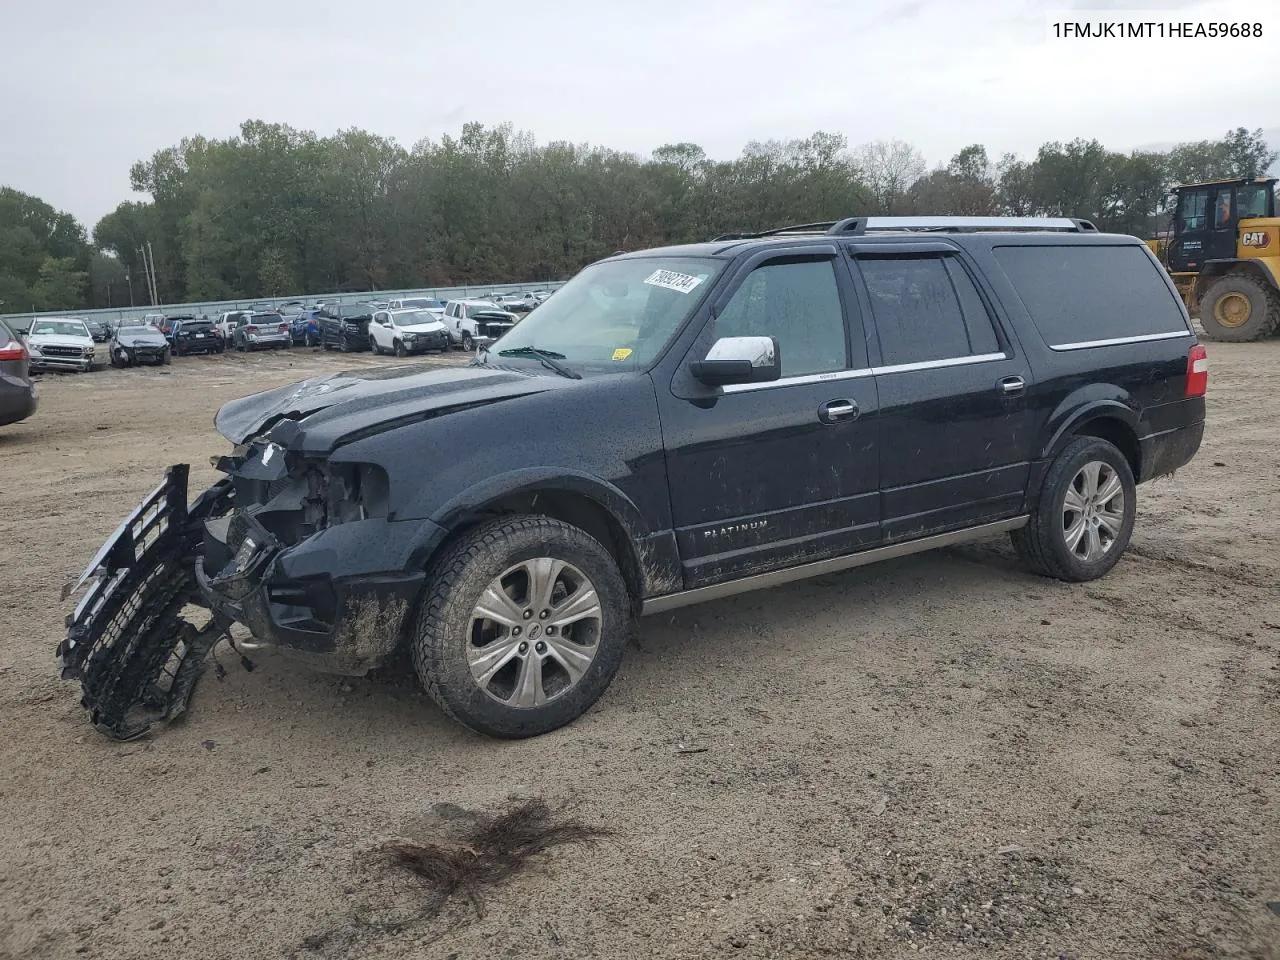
pixel 740 360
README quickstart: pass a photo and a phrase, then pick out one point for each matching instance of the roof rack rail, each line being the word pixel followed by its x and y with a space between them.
pixel 822 227
pixel 857 226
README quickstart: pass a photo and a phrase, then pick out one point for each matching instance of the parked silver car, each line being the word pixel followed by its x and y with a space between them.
pixel 17 390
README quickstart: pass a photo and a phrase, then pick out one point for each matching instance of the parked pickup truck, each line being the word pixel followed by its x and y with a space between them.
pixel 476 323
pixel 673 426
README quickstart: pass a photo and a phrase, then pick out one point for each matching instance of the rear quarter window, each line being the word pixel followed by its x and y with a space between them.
pixel 1079 294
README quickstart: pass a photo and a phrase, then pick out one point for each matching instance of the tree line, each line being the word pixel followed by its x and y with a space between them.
pixel 275 210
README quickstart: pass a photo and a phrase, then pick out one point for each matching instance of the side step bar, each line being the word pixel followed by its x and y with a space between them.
pixel 760 581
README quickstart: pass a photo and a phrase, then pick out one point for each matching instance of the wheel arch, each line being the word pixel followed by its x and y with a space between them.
pixel 1217 269
pixel 1108 420
pixel 595 506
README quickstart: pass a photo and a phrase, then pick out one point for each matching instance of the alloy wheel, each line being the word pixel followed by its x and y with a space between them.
pixel 534 632
pixel 1093 511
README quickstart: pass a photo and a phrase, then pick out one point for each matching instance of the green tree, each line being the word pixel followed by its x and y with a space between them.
pixel 60 285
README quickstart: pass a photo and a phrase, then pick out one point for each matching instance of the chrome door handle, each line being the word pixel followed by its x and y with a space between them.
pixel 1010 385
pixel 834 410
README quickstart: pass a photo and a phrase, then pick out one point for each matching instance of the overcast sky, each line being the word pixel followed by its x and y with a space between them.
pixel 89 86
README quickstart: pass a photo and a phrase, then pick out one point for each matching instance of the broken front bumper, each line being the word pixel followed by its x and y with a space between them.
pixel 337 600
pixel 137 659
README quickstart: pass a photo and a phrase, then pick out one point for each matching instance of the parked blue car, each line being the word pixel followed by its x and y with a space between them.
pixel 306 327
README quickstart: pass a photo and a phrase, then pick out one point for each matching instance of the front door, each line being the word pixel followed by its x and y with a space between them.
pixel 953 396
pixel 1191 231
pixel 766 475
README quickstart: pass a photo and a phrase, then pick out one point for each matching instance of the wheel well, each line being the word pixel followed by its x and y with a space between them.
pixel 580 511
pixel 1117 433
pixel 1237 268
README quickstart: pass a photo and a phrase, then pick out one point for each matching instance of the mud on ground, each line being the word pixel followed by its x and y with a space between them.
pixel 941 754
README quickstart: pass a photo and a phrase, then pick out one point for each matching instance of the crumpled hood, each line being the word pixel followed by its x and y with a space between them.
pixel 58 340
pixel 329 409
pixel 430 327
pixel 141 339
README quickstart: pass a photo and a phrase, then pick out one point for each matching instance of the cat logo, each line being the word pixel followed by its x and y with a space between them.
pixel 1255 238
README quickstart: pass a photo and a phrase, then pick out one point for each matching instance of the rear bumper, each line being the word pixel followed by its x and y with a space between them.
pixel 275 340
pixel 1163 453
pixel 17 402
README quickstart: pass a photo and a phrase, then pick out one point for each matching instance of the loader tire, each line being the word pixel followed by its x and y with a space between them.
pixel 1238 308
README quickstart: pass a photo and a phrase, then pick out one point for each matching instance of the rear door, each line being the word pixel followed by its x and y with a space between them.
pixel 1221 244
pixel 768 475
pixel 952 388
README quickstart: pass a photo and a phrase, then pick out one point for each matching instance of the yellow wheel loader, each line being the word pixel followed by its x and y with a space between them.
pixel 1224 256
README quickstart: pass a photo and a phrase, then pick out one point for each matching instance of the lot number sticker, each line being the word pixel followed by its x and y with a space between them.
pixel 679 282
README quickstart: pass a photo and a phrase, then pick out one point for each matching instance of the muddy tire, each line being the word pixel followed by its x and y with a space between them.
pixel 1083 517
pixel 1239 307
pixel 399 349
pixel 166 358
pixel 521 627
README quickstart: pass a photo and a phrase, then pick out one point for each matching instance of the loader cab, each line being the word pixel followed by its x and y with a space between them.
pixel 1206 221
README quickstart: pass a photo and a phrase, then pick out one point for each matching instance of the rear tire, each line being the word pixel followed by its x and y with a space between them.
pixel 1080 544
pixel 560 674
pixel 467 343
pixel 1239 307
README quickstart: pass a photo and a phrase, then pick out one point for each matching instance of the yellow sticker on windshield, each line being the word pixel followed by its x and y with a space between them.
pixel 622 353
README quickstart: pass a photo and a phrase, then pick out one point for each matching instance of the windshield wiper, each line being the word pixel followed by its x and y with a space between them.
pixel 548 358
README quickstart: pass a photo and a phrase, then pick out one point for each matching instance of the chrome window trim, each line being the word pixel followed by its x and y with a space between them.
pixel 938 364
pixel 1117 341
pixel 834 375
pixel 837 375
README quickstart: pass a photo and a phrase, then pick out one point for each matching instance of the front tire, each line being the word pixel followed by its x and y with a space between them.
pixel 1084 515
pixel 399 349
pixel 1238 307
pixel 522 626
pixel 166 358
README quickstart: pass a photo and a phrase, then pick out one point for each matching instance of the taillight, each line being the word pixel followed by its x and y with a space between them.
pixel 1197 371
pixel 250 328
pixel 284 328
pixel 13 350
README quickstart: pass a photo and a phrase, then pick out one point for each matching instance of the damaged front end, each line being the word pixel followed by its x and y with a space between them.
pixel 127 642
pixel 297 549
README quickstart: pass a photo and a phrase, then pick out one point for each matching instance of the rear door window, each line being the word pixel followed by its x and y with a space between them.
pixel 926 308
pixel 1080 295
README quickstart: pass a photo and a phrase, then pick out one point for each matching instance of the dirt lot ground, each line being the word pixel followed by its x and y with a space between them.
pixel 942 754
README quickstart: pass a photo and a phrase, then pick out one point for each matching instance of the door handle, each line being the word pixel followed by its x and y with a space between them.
pixel 1011 385
pixel 835 410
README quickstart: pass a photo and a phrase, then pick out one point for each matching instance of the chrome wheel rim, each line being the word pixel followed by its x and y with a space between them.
pixel 1093 511
pixel 534 633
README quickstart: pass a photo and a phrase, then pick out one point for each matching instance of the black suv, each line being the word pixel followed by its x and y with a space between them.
pixel 674 425
pixel 197 336
pixel 345 326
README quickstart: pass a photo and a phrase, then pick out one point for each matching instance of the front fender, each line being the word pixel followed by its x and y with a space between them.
pixel 530 479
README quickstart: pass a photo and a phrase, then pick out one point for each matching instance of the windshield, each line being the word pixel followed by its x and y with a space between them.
pixel 65 328
pixel 413 317
pixel 617 314
pixel 420 303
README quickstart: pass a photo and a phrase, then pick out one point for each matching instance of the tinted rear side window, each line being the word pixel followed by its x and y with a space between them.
pixel 926 308
pixel 1083 294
